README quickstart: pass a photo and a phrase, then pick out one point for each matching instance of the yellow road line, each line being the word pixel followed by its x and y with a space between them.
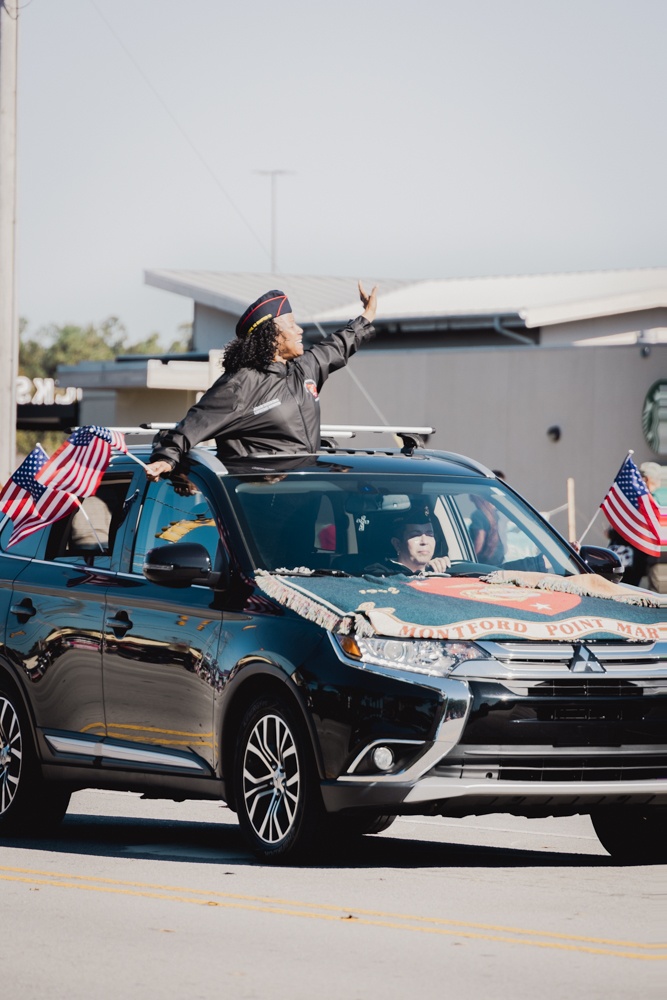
pixel 326 911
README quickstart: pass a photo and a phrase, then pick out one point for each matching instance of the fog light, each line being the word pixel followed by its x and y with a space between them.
pixel 383 758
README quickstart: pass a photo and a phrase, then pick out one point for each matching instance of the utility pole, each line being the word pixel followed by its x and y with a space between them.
pixel 273 174
pixel 9 337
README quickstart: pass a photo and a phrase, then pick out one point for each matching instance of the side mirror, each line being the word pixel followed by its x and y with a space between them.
pixel 604 562
pixel 180 565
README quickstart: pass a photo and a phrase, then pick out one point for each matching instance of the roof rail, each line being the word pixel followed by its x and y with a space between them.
pixel 412 437
pixel 141 429
pixel 333 430
pixel 134 430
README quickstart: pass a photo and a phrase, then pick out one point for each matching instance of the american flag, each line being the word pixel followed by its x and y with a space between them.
pixel 29 504
pixel 632 511
pixel 117 439
pixel 79 464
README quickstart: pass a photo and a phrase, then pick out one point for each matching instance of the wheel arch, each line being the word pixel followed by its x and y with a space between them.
pixel 257 678
pixel 9 679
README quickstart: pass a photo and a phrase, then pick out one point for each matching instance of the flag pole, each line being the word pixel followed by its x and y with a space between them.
pixel 588 528
pixel 592 520
pixel 571 518
pixel 135 459
pixel 90 523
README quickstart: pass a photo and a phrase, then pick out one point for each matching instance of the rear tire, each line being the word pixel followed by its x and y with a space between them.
pixel 276 784
pixel 633 834
pixel 28 804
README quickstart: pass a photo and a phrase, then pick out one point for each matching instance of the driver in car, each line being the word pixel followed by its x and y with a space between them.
pixel 414 543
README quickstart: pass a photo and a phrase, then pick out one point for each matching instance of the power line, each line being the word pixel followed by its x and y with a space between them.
pixel 177 124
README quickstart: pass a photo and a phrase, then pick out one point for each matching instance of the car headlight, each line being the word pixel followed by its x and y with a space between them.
pixel 421 656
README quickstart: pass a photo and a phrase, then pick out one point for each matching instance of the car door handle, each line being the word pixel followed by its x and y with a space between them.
pixel 122 623
pixel 24 610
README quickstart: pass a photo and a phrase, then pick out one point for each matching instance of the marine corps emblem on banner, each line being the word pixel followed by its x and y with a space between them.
pixel 539 601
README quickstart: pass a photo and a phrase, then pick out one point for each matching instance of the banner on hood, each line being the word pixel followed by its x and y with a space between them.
pixel 440 607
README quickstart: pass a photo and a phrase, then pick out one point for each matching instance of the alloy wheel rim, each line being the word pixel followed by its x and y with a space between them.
pixel 271 779
pixel 11 754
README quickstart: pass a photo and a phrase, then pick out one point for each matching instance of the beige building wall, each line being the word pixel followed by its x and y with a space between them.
pixel 212 329
pixel 131 407
pixel 99 407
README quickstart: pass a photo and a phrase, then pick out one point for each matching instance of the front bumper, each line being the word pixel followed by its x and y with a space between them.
pixel 433 795
pixel 547 757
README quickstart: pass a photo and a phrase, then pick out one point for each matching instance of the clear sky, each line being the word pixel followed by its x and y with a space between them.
pixel 428 138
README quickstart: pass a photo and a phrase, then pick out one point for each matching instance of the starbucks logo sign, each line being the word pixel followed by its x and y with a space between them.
pixel 654 417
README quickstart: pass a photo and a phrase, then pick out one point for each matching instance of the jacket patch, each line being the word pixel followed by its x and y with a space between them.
pixel 263 407
pixel 311 386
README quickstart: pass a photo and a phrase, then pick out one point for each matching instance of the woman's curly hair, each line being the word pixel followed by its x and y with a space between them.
pixel 256 350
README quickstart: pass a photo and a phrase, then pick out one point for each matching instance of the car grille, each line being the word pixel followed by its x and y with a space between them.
pixel 528 767
pixel 561 660
pixel 593 687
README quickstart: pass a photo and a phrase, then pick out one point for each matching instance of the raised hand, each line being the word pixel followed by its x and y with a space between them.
pixel 369 302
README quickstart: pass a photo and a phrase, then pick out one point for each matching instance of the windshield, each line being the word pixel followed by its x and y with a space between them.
pixel 381 524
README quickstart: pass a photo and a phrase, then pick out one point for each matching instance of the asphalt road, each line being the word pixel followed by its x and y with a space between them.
pixel 140 899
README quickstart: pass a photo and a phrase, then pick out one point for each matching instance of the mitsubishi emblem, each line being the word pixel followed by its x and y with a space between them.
pixel 585 662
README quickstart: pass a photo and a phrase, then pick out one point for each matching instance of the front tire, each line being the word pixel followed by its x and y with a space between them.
pixel 351 826
pixel 28 804
pixel 633 834
pixel 277 789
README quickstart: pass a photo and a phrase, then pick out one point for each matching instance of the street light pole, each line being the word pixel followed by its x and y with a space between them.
pixel 273 174
pixel 9 338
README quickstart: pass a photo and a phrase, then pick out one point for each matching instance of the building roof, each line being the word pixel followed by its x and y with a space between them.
pixel 232 293
pixel 537 299
pixel 601 305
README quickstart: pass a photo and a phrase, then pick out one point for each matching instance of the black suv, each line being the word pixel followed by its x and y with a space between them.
pixel 244 633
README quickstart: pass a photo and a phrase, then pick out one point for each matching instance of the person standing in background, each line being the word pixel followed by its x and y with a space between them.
pixel 652 476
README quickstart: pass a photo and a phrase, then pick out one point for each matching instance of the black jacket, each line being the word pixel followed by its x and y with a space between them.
pixel 258 412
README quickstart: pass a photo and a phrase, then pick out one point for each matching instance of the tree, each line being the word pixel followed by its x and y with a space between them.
pixel 68 345
pixel 151 345
pixel 53 345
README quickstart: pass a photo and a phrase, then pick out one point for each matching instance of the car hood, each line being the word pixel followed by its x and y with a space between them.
pixel 441 607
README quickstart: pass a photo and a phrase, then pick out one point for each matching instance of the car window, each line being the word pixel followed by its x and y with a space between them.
pixel 348 523
pixel 325 526
pixel 493 536
pixel 172 515
pixel 87 536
